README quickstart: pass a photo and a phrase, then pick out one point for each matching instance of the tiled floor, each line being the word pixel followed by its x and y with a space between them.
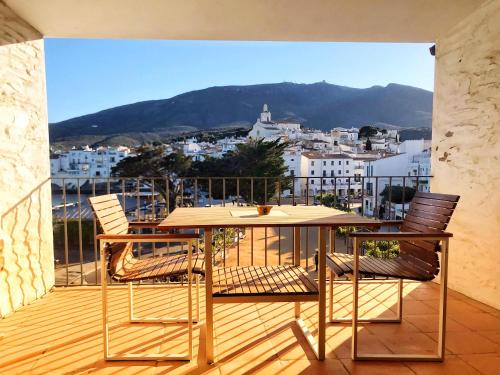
pixel 60 334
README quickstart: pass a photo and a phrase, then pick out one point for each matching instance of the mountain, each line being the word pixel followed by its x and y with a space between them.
pixel 318 105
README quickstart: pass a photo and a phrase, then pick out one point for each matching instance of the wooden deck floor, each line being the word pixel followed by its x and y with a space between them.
pixel 60 334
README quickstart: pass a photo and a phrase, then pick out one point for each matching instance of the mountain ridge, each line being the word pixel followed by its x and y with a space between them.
pixel 318 105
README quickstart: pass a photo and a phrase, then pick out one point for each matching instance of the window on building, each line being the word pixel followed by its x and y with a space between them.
pixel 292 172
pixel 312 172
pixel 340 162
pixel 324 173
pixel 312 163
pixel 312 182
pixel 369 188
pixel 332 173
pixel 292 160
pixel 340 172
pixel 347 162
pixel 324 182
pixel 97 173
pixel 347 171
pixel 332 163
pixel 324 163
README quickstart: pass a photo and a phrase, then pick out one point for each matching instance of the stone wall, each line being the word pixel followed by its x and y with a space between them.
pixel 26 247
pixel 466 148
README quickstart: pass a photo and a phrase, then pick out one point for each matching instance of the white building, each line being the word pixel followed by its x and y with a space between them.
pixel 420 167
pixel 198 151
pixel 266 128
pixel 191 148
pixel 85 163
pixel 390 170
pixel 379 144
pixel 292 159
pixel 343 135
pixel 330 173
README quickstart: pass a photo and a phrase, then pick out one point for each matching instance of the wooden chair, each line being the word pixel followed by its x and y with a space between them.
pixel 421 236
pixel 116 251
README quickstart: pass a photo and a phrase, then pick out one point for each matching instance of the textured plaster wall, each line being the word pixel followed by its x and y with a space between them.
pixel 26 251
pixel 466 148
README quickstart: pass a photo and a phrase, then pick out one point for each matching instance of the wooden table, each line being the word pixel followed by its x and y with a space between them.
pixel 266 284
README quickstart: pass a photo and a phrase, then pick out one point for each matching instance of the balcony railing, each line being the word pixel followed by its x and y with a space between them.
pixel 153 198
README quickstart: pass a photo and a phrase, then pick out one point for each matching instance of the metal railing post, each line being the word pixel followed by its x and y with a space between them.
pixel 223 192
pixel 80 240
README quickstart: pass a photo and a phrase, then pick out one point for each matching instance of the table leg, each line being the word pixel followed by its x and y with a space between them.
pixel 333 231
pixel 322 235
pixel 209 311
pixel 296 261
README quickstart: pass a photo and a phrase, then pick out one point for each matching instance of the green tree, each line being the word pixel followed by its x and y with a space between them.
pixel 256 158
pixel 368 146
pixel 381 249
pixel 333 201
pixel 396 194
pixel 368 131
pixel 152 162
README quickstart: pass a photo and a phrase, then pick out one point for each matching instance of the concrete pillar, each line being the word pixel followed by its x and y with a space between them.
pixel 466 148
pixel 25 199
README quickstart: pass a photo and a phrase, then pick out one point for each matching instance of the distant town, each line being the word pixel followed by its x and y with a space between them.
pixel 333 161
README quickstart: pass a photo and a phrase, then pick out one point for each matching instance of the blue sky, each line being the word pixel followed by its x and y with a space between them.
pixel 86 76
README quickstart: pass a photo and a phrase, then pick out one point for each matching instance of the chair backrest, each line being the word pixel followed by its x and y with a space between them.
pixel 428 212
pixel 111 217
pixel 109 213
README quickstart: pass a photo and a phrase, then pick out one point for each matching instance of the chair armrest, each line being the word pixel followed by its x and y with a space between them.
pixel 401 235
pixel 143 224
pixel 178 237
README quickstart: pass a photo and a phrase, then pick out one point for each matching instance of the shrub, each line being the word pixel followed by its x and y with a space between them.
pixel 381 249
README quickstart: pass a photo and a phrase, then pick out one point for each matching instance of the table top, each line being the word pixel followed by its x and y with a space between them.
pixel 280 216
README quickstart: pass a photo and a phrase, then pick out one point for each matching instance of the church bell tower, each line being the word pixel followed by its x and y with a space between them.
pixel 265 116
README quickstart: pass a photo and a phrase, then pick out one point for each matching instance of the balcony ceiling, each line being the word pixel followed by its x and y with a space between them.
pixel 293 20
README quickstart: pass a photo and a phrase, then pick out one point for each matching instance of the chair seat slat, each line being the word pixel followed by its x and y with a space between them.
pixel 262 280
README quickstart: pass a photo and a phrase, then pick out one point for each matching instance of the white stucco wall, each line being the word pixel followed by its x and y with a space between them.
pixel 466 148
pixel 25 206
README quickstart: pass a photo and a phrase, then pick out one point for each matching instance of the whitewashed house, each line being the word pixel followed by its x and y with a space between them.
pixel 390 170
pixel 85 163
pixel 420 167
pixel 330 173
pixel 292 159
